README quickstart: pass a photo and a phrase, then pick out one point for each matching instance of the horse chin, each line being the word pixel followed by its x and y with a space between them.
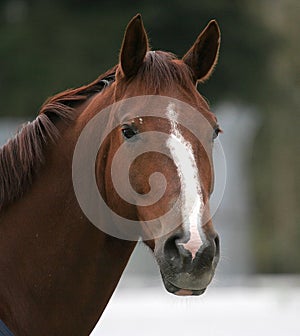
pixel 171 288
pixel 179 290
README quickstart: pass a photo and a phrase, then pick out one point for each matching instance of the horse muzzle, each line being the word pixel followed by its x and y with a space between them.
pixel 182 273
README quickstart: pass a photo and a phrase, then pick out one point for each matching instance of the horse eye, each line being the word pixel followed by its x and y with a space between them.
pixel 128 132
pixel 217 130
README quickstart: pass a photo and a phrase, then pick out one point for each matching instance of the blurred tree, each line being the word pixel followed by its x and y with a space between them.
pixel 276 153
pixel 49 45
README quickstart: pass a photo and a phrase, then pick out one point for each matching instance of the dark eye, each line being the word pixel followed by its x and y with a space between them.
pixel 217 130
pixel 128 131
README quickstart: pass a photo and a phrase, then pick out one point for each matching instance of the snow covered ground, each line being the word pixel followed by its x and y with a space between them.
pixel 269 308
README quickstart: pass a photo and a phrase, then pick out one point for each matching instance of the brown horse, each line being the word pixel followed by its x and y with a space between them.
pixel 58 270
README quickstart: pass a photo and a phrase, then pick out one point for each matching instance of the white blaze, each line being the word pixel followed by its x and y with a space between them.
pixel 192 200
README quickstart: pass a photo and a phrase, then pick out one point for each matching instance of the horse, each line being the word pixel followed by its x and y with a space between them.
pixel 58 270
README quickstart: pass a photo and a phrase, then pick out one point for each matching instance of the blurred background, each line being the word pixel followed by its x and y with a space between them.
pixel 47 46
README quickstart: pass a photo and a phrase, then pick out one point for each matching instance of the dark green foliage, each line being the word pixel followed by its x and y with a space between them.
pixel 48 46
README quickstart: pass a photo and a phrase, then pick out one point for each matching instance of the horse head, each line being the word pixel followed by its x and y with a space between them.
pixel 166 131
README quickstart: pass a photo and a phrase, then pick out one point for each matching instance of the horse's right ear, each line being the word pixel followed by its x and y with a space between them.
pixel 134 47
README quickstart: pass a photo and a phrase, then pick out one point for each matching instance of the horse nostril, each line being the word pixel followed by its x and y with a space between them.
pixel 207 253
pixel 170 249
pixel 217 243
pixel 177 255
pixel 217 252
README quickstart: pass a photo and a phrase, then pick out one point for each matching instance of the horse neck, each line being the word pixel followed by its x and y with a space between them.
pixel 58 271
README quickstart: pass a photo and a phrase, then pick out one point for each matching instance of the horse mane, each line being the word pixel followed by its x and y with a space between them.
pixel 23 155
pixel 160 70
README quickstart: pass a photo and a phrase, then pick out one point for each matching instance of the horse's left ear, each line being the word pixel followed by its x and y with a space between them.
pixel 134 47
pixel 203 55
